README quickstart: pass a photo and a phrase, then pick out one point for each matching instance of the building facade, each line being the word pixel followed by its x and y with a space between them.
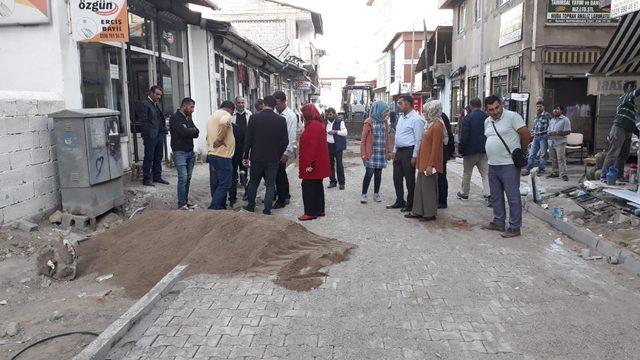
pixel 285 31
pixel 170 45
pixel 539 49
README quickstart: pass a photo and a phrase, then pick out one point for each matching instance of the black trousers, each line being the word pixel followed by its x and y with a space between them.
pixel 153 154
pixel 282 184
pixel 403 171
pixel 313 197
pixel 258 171
pixel 443 187
pixel 335 157
pixel 237 167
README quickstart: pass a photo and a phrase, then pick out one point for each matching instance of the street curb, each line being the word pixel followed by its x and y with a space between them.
pixel 626 258
pixel 100 347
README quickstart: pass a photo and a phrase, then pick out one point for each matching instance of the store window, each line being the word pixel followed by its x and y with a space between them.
pixel 140 32
pixel 514 79
pixel 473 87
pixel 172 73
pixel 499 85
pixel 102 82
pixel 457 100
pixel 478 10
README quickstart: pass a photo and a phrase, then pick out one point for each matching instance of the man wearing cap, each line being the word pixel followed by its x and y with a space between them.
pixel 624 125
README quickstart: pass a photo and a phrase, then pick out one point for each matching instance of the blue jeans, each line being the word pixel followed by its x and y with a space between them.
pixel 153 153
pixel 220 181
pixel 505 179
pixel 184 160
pixel 540 143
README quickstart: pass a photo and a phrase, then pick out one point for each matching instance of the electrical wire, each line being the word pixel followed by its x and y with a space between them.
pixel 54 337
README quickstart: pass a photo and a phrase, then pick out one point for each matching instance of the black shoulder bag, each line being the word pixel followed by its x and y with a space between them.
pixel 517 155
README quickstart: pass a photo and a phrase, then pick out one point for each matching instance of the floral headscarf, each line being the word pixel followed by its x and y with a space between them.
pixel 433 112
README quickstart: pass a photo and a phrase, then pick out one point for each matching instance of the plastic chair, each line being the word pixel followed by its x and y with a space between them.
pixel 575 142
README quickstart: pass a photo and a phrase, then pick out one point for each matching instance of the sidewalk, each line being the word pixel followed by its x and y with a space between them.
pixel 444 290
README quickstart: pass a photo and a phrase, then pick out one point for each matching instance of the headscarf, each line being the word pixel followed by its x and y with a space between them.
pixel 310 113
pixel 378 109
pixel 433 112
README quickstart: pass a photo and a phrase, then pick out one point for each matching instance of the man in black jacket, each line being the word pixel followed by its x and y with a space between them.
pixel 183 131
pixel 264 143
pixel 472 148
pixel 153 131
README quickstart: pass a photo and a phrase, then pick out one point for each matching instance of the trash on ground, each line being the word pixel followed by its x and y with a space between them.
pixel 104 277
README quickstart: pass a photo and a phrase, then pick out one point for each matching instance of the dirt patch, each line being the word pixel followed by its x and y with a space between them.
pixel 221 242
pixel 347 154
pixel 450 222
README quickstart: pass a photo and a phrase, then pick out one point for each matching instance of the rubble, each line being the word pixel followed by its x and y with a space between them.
pixel 57 315
pixel 3 302
pixel 56 217
pixel 26 226
pixel 57 260
pixel 12 329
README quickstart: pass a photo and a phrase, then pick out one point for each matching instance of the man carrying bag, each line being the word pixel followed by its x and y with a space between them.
pixel 507 136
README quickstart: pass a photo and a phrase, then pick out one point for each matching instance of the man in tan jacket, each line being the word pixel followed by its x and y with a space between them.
pixel 222 146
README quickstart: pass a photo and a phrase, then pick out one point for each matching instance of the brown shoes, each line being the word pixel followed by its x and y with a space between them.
pixel 493 227
pixel 511 233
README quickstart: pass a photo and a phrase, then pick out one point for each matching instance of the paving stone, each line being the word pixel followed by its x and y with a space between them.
pixel 241 340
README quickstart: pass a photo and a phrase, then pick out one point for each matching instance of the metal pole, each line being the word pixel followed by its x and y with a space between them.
pixel 413 40
pixel 481 74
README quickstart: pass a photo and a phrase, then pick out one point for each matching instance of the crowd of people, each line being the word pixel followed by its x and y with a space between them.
pixel 246 148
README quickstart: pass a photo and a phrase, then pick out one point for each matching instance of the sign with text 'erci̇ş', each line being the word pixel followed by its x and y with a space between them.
pixel 623 7
pixel 100 20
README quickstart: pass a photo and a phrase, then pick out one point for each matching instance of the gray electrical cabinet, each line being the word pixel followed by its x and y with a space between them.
pixel 89 160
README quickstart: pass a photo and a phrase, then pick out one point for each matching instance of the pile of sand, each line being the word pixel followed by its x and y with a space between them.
pixel 143 250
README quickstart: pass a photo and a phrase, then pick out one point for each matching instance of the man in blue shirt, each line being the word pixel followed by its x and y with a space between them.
pixel 409 131
pixel 472 142
pixel 540 140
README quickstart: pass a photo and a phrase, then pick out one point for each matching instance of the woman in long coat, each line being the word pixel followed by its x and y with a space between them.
pixel 314 163
pixel 376 148
pixel 430 163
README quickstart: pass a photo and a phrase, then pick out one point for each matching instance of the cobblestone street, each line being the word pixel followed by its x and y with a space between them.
pixel 443 290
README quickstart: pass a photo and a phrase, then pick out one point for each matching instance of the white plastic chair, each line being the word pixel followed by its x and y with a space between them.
pixel 575 142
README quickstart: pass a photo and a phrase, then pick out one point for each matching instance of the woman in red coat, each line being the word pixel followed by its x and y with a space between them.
pixel 314 163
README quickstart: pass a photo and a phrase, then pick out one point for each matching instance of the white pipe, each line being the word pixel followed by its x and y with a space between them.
pixel 535 31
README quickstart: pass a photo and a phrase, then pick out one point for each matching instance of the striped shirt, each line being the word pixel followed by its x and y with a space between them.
pixel 626 113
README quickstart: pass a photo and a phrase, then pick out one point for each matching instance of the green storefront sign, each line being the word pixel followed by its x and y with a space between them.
pixel 578 12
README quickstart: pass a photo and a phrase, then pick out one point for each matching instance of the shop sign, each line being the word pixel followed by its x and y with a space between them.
pixel 417 103
pixel 100 20
pixel 577 12
pixel 302 85
pixel 25 12
pixel 406 88
pixel 511 26
pixel 609 85
pixel 114 71
pixel 623 7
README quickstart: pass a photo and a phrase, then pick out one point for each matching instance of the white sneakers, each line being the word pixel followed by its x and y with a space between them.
pixel 376 198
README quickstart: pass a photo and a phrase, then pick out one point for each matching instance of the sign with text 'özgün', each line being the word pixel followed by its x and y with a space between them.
pixel 100 20
pixel 623 7
pixel 511 26
pixel 578 12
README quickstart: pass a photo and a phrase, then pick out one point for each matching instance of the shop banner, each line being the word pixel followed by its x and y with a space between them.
pixel 100 20
pixel 24 12
pixel 511 26
pixel 578 12
pixel 302 85
pixel 608 85
pixel 623 7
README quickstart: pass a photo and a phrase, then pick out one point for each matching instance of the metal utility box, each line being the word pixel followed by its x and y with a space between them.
pixel 89 160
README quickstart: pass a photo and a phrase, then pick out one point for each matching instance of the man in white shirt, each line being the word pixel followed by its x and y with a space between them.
pixel 337 141
pixel 282 181
pixel 504 176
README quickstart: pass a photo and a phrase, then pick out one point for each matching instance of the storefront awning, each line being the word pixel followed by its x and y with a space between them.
pixel 622 55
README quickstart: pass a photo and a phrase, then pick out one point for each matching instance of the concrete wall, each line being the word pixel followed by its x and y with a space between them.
pixel 40 72
pixel 202 82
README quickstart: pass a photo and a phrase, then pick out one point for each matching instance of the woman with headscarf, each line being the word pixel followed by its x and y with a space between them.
pixel 430 163
pixel 314 163
pixel 376 147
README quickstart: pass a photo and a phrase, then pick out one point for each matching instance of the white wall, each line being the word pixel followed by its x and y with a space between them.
pixel 40 74
pixel 201 83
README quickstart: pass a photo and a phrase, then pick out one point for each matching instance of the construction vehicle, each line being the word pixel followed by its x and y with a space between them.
pixel 356 104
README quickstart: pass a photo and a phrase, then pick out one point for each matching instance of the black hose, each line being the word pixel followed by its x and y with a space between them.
pixel 51 338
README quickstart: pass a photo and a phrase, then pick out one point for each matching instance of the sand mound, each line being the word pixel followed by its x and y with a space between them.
pixel 215 242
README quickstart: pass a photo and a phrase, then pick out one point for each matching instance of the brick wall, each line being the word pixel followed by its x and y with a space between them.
pixel 28 167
